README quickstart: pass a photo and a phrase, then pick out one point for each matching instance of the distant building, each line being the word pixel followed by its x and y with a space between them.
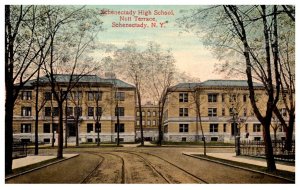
pixel 82 102
pixel 149 123
pixel 224 106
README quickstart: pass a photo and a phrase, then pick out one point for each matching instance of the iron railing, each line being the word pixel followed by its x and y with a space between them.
pixel 19 150
pixel 257 149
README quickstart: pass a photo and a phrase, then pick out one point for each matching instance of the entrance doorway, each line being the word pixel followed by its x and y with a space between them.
pixel 72 129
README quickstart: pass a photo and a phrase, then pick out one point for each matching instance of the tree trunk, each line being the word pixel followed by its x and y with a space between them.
pixel 60 131
pixel 77 120
pixel 198 110
pixel 289 136
pixel 141 117
pixel 288 128
pixel 9 89
pixel 160 132
pixel 118 125
pixel 77 132
pixel 8 131
pixel 275 137
pixel 268 147
pixel 36 131
pixel 202 132
pixel 289 133
pixel 52 122
pixel 66 124
pixel 98 132
pixel 53 136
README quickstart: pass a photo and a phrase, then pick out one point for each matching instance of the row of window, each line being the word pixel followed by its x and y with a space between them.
pixel 26 127
pixel 213 97
pixel 183 139
pixel 148 113
pixel 96 95
pixel 183 128
pixel 72 111
pixel 149 122
pixel 92 95
pixel 211 112
pixel 97 111
pixel 214 128
pixel 97 127
pixel 89 140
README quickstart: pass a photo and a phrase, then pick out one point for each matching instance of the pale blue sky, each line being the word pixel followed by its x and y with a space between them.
pixel 191 56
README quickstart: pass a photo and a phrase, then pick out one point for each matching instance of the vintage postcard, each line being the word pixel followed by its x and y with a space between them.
pixel 149 94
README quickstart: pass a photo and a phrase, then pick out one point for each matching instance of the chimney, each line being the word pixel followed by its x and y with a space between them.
pixel 110 75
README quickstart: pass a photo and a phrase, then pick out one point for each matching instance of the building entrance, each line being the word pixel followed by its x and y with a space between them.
pixel 71 129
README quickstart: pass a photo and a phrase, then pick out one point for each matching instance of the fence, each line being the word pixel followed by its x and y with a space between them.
pixel 257 149
pixel 19 150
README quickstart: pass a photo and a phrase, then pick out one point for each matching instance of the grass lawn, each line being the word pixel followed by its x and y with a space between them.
pixel 281 173
pixel 199 143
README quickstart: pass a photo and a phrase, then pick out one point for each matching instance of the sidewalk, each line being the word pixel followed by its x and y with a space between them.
pixel 29 160
pixel 242 159
pixel 146 143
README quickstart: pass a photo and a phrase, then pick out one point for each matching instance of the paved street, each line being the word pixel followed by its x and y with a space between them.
pixel 140 165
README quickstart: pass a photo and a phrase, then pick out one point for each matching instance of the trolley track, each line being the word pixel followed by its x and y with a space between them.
pixel 200 180
pixel 96 168
pixel 100 171
pixel 151 166
pixel 123 173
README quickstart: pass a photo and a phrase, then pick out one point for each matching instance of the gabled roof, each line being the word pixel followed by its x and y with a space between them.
pixel 65 78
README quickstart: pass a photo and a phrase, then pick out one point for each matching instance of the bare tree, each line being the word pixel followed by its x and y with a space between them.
pixel 76 99
pixel 197 101
pixel 267 75
pixel 111 67
pixel 79 27
pixel 21 51
pixel 237 106
pixel 161 71
pixel 219 33
pixel 38 107
pixel 251 33
pixel 101 102
pixel 132 63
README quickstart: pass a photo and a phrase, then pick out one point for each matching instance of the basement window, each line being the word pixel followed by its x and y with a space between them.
pixel 214 139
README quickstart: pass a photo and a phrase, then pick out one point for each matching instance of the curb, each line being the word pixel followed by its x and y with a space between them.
pixel 195 146
pixel 239 167
pixel 40 167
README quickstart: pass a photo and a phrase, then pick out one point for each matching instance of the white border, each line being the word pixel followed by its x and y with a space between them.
pixel 135 2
